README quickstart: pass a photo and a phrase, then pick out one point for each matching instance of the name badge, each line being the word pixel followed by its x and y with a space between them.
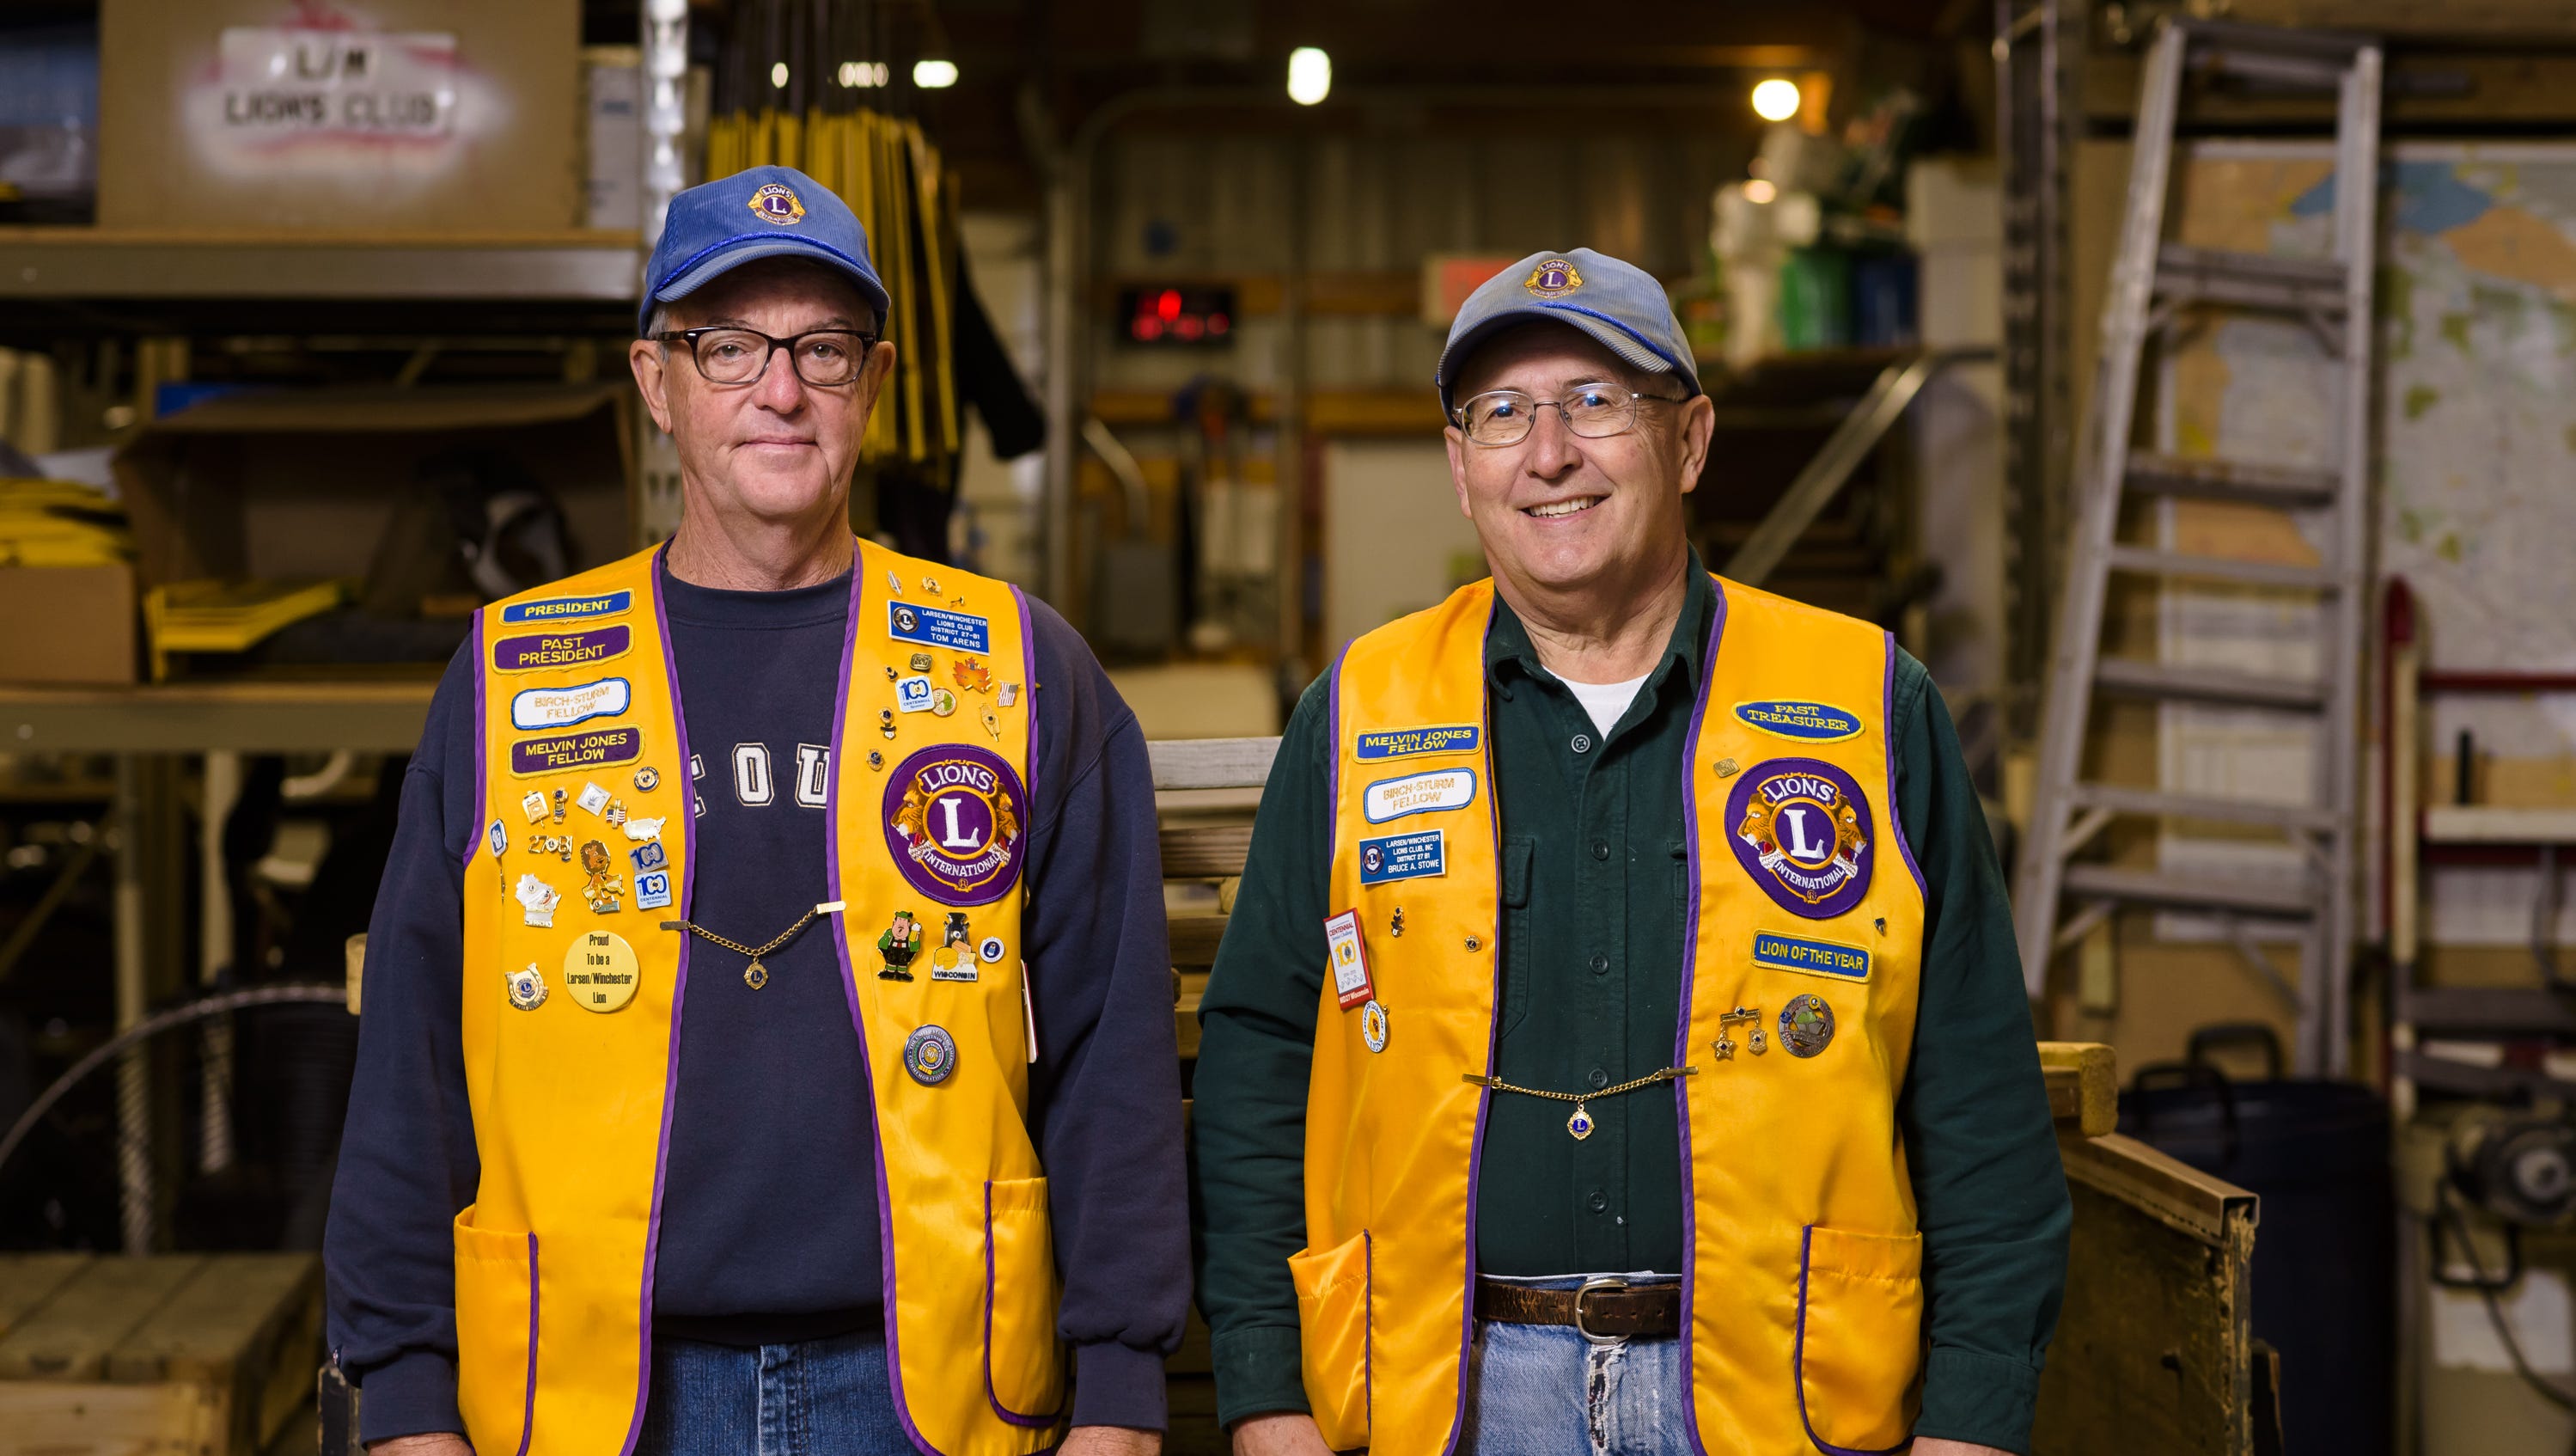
pixel 938 627
pixel 1350 959
pixel 1403 856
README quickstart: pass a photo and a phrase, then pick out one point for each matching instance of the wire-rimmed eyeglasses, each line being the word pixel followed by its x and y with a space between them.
pixel 1504 416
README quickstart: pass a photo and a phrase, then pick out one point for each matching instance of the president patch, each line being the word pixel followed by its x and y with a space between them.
pixel 1811 722
pixel 1403 856
pixel 938 627
pixel 953 815
pixel 562 649
pixel 1810 957
pixel 1802 830
pixel 1406 742
pixel 567 609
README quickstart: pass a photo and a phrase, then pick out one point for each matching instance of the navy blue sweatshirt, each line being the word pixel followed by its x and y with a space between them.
pixel 769 1224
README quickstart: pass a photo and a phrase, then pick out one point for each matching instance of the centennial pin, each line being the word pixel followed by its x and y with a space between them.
pixel 930 1054
pixel 1373 1025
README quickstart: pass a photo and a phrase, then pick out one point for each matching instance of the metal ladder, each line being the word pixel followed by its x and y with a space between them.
pixel 2150 282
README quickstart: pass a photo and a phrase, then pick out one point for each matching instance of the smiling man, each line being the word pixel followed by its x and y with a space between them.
pixel 853 1210
pixel 1618 1044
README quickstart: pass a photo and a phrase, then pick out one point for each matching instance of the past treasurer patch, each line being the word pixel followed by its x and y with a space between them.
pixel 1789 718
pixel 953 818
pixel 1803 832
pixel 1812 957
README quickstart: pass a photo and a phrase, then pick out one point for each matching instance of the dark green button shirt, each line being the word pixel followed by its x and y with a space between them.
pixel 1595 891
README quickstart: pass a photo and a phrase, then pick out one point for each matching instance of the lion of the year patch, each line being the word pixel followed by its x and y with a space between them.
pixel 1803 831
pixel 954 817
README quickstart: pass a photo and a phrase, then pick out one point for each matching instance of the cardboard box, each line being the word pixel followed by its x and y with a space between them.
pixel 67 624
pixel 314 483
pixel 306 116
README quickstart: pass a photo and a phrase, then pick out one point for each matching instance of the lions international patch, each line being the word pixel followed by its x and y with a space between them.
pixel 953 820
pixel 774 202
pixel 1803 832
pixel 1553 278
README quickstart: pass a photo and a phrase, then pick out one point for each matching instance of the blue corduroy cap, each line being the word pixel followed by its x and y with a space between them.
pixel 763 212
pixel 1617 303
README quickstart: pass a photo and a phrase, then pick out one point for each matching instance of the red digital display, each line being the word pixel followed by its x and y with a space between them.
pixel 1176 314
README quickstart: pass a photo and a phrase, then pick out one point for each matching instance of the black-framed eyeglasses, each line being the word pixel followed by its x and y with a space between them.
pixel 1505 416
pixel 730 355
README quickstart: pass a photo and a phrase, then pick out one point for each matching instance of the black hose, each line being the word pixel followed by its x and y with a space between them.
pixel 152 1026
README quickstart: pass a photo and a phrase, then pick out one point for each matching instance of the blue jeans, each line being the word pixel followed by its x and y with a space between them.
pixel 1544 1390
pixel 814 1398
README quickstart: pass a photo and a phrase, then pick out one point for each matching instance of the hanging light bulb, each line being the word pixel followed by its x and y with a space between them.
pixel 934 75
pixel 1776 99
pixel 1310 75
pixel 778 75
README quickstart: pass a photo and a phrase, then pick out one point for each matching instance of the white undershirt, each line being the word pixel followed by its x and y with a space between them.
pixel 1606 702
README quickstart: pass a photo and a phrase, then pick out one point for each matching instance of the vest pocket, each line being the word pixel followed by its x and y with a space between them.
pixel 1859 1343
pixel 496 1335
pixel 1023 1370
pixel 1333 1337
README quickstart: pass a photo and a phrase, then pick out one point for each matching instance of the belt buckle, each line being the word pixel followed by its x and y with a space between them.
pixel 1588 1286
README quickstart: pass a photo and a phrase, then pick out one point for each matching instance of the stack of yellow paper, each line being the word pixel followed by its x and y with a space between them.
pixel 230 616
pixel 58 523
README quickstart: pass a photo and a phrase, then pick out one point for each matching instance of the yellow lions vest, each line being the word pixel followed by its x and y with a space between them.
pixel 1802 1297
pixel 573 992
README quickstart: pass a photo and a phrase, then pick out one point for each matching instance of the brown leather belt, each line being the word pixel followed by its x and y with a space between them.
pixel 1603 1310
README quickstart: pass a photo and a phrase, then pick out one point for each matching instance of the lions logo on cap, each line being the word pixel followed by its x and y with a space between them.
pixel 1553 278
pixel 775 202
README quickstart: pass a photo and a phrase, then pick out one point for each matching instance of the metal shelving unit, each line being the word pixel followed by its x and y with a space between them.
pixel 78 262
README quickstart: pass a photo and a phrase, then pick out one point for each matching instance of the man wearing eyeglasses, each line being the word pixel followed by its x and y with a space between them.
pixel 688 1163
pixel 1618 1044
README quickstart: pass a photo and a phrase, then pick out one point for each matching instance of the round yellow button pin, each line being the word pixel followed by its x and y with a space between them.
pixel 599 971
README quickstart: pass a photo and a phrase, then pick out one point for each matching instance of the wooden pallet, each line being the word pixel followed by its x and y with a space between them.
pixel 168 1355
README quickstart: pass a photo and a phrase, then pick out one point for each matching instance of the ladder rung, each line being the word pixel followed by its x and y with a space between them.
pixel 2284 487
pixel 2276 40
pixel 2258 280
pixel 2126 800
pixel 2205 684
pixel 2187 892
pixel 2220 568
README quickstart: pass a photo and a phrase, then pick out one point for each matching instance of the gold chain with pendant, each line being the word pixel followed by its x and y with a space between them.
pixel 1580 1123
pixel 754 975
